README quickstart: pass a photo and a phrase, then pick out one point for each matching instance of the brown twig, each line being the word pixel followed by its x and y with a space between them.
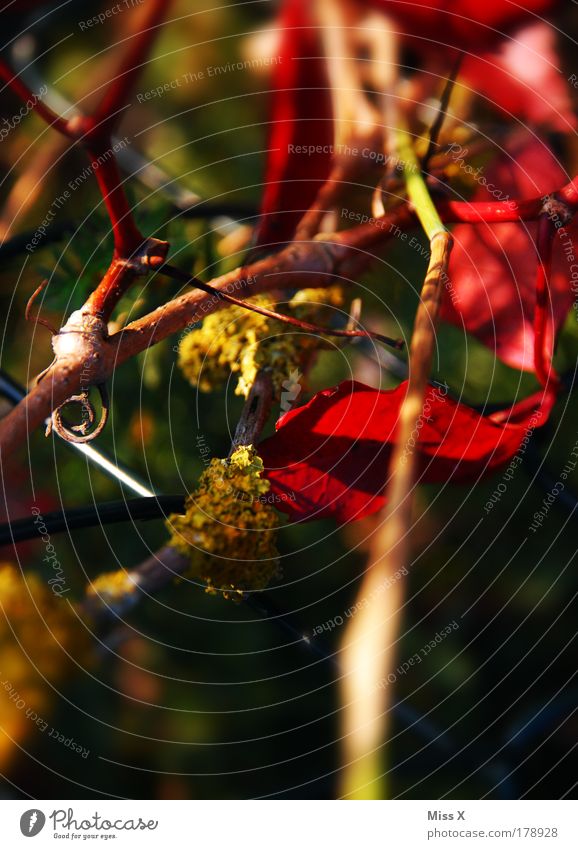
pixel 441 115
pixel 369 642
pixel 107 114
pixel 149 577
pixel 133 254
pixel 90 350
pixel 255 412
pixel 347 333
pixel 119 592
pixel 325 200
pixel 308 264
pixel 397 516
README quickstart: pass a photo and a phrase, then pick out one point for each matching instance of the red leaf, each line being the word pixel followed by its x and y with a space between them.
pixel 461 23
pixel 522 78
pixel 493 267
pixel 301 116
pixel 509 52
pixel 330 458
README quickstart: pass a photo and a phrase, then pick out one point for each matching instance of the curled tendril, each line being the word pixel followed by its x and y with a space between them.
pixel 81 432
pixel 38 318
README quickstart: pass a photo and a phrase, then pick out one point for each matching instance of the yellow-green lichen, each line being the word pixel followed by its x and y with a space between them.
pixel 229 527
pixel 239 341
pixel 112 587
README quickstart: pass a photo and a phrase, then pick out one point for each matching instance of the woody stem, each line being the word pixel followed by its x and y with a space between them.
pixel 542 342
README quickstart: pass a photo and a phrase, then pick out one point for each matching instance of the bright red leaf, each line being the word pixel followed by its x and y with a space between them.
pixel 493 267
pixel 330 458
pixel 301 117
pixel 509 52
pixel 461 23
pixel 523 78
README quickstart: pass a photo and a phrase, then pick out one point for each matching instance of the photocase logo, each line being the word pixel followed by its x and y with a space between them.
pixel 292 389
pixel 32 822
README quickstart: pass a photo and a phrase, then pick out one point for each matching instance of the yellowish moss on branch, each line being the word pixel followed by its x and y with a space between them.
pixel 229 528
pixel 236 340
pixel 112 588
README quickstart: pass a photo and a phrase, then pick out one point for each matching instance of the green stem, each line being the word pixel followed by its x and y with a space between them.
pixel 415 184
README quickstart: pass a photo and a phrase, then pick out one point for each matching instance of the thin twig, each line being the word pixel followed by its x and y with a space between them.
pixel 303 264
pixel 441 115
pixel 397 514
pixel 368 646
pixel 38 318
pixel 255 411
pixel 177 274
pixel 325 201
pixel 107 114
pixel 91 516
pixel 107 607
pixel 133 254
pixel 22 91
pixel 159 570
pixel 15 392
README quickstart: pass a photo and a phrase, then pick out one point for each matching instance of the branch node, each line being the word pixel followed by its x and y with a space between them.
pixel 82 340
pixel 149 257
pixel 556 209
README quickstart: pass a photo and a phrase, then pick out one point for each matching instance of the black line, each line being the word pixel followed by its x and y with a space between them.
pixel 90 516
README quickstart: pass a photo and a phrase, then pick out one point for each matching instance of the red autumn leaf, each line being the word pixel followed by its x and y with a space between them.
pixel 301 116
pixel 510 53
pixel 461 23
pixel 493 267
pixel 523 78
pixel 330 458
